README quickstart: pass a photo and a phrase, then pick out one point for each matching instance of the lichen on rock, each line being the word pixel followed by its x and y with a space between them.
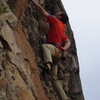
pixel 3 7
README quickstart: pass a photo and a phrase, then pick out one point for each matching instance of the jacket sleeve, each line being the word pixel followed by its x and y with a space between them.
pixel 51 19
pixel 64 38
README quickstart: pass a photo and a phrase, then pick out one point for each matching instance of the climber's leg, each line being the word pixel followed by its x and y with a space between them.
pixel 50 56
pixel 48 51
pixel 57 85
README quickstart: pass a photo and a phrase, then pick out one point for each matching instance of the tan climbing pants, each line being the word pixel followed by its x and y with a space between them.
pixel 52 54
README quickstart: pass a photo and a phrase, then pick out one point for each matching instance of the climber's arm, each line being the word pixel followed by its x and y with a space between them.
pixel 67 44
pixel 40 9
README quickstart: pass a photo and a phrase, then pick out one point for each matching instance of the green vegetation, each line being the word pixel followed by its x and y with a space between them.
pixel 3 9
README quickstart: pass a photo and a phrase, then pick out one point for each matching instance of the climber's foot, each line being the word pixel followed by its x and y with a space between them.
pixel 45 68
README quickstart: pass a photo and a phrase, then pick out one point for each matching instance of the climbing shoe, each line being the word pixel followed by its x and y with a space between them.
pixel 45 69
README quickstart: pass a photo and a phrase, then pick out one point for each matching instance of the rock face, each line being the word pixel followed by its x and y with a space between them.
pixel 22 31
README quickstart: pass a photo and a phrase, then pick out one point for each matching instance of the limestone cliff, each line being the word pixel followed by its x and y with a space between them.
pixel 22 31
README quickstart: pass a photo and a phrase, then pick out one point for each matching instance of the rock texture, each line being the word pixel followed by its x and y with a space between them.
pixel 22 31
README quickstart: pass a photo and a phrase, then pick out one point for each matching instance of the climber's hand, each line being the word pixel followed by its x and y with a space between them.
pixel 64 54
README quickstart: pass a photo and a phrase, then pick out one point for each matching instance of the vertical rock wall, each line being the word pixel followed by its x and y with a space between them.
pixel 22 31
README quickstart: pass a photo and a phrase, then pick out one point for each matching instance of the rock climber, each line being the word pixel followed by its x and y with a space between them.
pixel 53 49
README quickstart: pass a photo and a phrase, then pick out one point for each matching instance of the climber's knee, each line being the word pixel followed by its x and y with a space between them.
pixel 44 45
